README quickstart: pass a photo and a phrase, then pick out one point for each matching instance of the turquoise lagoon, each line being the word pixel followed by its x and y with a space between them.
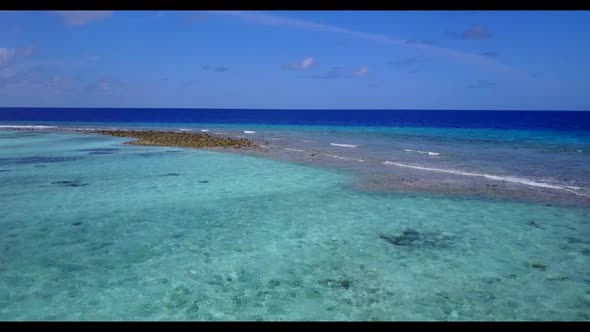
pixel 96 230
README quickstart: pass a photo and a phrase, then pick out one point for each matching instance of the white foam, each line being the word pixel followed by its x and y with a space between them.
pixel 249 132
pixel 336 156
pixel 307 141
pixel 184 129
pixel 344 145
pixel 430 153
pixel 205 130
pixel 296 150
pixel 492 177
pixel 219 133
pixel 27 127
pixel 83 129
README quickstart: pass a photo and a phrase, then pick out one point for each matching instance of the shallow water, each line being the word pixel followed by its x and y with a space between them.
pixel 97 230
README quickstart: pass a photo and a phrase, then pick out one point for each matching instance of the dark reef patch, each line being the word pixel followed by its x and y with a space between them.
pixel 532 223
pixel 148 154
pixel 575 240
pixel 413 238
pixel 75 183
pixel 5 170
pixel 99 152
pixel 77 223
pixel 37 160
pixel 40 166
pixel 203 181
pixel 337 283
pixel 539 266
pixel 170 174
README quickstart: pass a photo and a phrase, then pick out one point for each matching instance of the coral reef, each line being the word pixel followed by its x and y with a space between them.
pixel 185 140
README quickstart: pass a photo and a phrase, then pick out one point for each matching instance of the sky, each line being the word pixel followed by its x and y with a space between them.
pixel 472 60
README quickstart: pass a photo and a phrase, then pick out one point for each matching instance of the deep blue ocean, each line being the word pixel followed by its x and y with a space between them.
pixel 545 120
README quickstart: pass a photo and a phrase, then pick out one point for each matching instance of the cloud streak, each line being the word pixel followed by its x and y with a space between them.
pixel 7 55
pixel 407 62
pixel 304 64
pixel 476 60
pixel 338 72
pixel 475 32
pixel 481 84
pixel 216 69
pixel 363 71
pixel 82 17
pixel 33 82
pixel 11 55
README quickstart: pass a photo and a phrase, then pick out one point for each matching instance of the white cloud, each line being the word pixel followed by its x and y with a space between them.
pixel 460 56
pixel 305 64
pixel 7 55
pixel 81 17
pixel 363 71
pixel 10 55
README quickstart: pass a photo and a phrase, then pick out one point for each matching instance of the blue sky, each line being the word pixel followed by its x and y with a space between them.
pixel 296 59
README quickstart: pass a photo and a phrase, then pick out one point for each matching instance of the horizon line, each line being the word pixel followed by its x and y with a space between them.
pixel 300 109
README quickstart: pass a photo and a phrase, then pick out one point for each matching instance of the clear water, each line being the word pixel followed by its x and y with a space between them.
pixel 558 157
pixel 96 230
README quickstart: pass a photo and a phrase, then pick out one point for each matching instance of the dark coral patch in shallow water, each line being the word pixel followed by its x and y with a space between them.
pixel 5 170
pixel 148 154
pixel 576 240
pixel 340 283
pixel 539 266
pixel 413 238
pixel 533 224
pixel 76 185
pixel 70 183
pixel 203 181
pixel 170 174
pixel 37 160
pixel 99 152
